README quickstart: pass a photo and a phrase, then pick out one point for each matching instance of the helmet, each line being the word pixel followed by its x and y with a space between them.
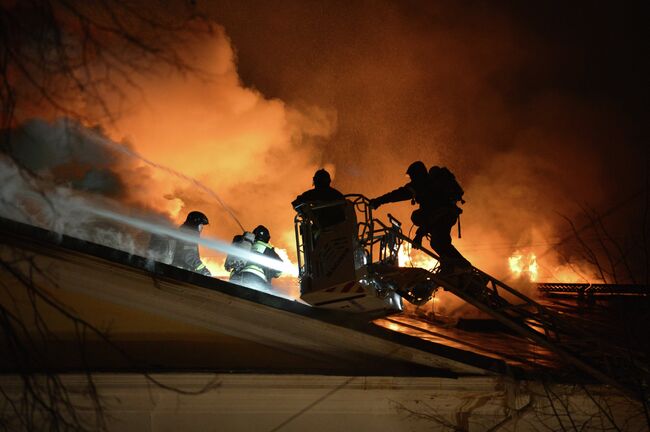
pixel 417 169
pixel 262 233
pixel 322 178
pixel 196 218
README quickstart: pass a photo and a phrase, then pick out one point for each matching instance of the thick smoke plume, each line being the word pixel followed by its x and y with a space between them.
pixel 364 89
pixel 256 153
pixel 538 112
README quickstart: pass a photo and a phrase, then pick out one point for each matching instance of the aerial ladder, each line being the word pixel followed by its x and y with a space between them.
pixel 351 264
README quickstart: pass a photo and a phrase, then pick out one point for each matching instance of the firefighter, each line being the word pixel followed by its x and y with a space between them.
pixel 435 216
pixel 186 253
pixel 161 249
pixel 255 275
pixel 322 193
pixel 235 263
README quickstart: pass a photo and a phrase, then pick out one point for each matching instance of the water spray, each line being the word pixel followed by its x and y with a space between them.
pixel 130 152
pixel 210 243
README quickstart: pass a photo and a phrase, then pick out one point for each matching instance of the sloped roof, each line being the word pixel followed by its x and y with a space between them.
pixel 310 337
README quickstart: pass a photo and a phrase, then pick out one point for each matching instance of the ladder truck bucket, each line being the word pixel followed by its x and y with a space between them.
pixel 351 264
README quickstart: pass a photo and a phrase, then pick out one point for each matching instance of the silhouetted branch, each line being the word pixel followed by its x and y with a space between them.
pixel 45 395
pixel 56 53
pixel 55 57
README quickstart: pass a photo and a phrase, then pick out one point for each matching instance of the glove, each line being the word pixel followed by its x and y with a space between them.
pixel 375 203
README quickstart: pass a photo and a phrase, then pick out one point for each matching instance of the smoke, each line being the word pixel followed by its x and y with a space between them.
pixel 85 215
pixel 184 142
pixel 258 153
pixel 64 177
pixel 61 209
pixel 534 122
pixel 363 89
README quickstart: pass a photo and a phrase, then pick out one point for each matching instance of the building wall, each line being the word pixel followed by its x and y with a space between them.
pixel 254 402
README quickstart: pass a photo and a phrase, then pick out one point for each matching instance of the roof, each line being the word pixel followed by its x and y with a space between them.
pixel 255 323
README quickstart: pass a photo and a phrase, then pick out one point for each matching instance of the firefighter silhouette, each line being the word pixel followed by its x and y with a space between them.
pixel 435 217
pixel 322 193
pixel 181 253
pixel 247 272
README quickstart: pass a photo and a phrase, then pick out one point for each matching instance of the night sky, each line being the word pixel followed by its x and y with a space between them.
pixel 539 109
pixel 392 60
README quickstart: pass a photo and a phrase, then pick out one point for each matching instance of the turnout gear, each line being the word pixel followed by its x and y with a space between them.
pixel 186 253
pixel 437 212
pixel 245 242
pixel 418 190
pixel 446 184
pixel 448 189
pixel 179 253
pixel 264 273
pixel 250 273
pixel 321 194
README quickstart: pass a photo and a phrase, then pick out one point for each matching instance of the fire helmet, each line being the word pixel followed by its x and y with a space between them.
pixel 262 233
pixel 417 170
pixel 196 218
pixel 322 178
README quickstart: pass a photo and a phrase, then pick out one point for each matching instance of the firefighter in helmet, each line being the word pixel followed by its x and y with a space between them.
pixel 255 275
pixel 435 217
pixel 322 193
pixel 186 253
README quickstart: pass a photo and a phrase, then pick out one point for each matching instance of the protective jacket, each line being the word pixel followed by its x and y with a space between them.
pixel 418 191
pixel 325 216
pixel 235 263
pixel 436 216
pixel 258 270
pixel 186 254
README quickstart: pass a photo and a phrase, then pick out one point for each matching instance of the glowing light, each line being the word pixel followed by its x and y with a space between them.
pixel 408 257
pixel 393 326
pixel 524 265
pixel 293 271
pixel 572 274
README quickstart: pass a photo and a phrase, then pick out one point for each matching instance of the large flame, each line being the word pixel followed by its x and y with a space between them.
pixel 255 152
pixel 258 153
pixel 410 257
pixel 531 267
pixel 524 265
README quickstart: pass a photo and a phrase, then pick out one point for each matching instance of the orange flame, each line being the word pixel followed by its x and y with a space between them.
pixel 524 265
pixel 409 257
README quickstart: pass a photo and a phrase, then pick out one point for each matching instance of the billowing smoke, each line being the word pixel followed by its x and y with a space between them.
pixel 185 139
pixel 75 181
pixel 258 153
pixel 537 113
pixel 365 89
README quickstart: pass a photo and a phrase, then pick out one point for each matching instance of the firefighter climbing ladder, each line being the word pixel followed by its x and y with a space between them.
pixel 569 339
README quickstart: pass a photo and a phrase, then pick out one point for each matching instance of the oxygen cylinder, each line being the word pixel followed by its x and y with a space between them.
pixel 244 241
